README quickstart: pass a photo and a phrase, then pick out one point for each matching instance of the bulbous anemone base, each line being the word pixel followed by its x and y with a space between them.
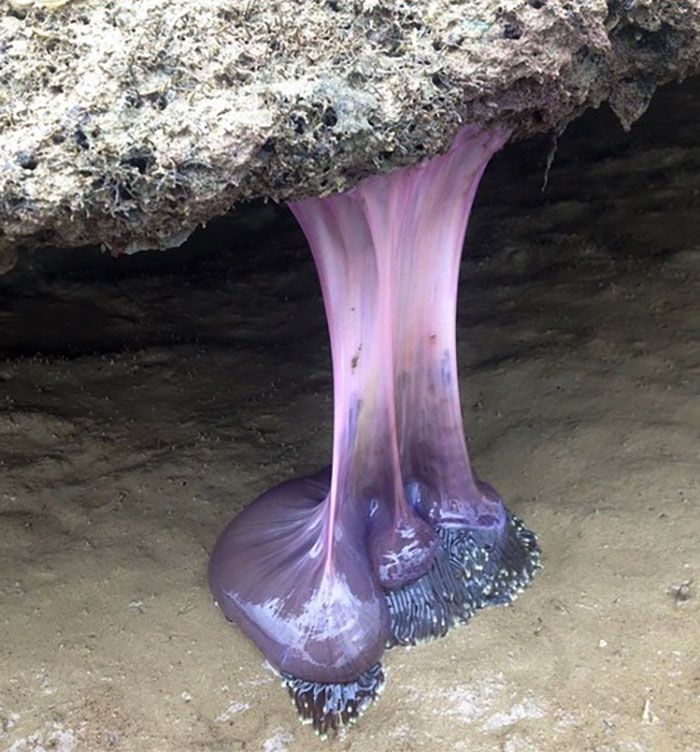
pixel 300 587
pixel 324 628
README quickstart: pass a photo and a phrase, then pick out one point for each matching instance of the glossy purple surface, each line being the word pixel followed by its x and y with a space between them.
pixel 312 606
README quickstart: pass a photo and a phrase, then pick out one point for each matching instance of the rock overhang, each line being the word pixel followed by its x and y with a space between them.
pixel 129 124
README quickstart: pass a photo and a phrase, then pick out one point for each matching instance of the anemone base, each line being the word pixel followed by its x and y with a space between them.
pixel 328 706
pixel 427 608
pixel 473 569
pixel 512 563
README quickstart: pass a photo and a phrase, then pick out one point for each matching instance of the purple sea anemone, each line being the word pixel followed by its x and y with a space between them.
pixel 399 540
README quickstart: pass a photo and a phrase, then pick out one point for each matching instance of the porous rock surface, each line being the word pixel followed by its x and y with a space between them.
pixel 130 123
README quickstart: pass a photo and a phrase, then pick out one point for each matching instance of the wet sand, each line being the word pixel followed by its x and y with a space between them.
pixel 142 407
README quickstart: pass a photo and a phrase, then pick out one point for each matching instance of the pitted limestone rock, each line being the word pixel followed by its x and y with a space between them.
pixel 128 124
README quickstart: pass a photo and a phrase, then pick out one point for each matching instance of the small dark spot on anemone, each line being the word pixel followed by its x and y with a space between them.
pixel 81 138
pixel 27 161
pixel 537 4
pixel 333 5
pixel 441 80
pixel 537 116
pixel 58 138
pixel 269 147
pixel 161 101
pixel 330 118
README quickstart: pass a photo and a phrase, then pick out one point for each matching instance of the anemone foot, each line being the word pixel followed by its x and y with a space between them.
pixel 427 608
pixel 328 706
pixel 473 569
pixel 496 567
pixel 517 556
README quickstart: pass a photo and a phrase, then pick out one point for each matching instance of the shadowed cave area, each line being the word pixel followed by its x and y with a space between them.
pixel 147 400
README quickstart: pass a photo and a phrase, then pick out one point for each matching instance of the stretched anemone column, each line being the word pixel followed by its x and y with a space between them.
pixel 434 457
pixel 496 553
pixel 355 263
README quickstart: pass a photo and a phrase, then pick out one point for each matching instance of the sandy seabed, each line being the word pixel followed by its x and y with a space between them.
pixel 141 407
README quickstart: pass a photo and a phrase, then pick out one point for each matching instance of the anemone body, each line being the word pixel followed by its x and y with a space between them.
pixel 434 461
pixel 311 605
pixel 399 540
